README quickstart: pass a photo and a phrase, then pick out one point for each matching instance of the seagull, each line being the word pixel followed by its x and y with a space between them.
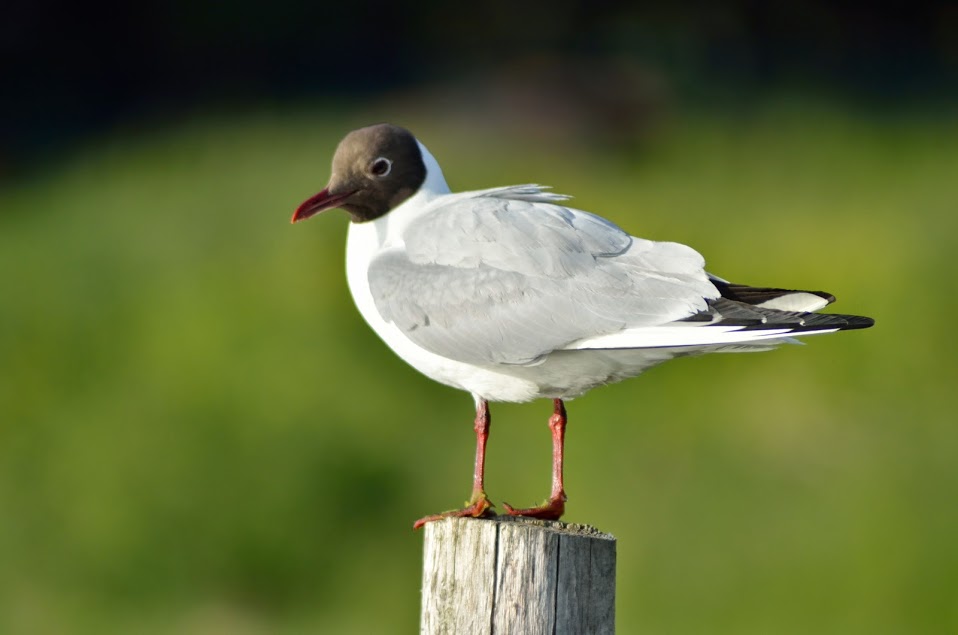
pixel 511 295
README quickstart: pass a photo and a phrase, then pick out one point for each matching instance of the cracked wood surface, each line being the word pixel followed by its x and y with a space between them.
pixel 505 575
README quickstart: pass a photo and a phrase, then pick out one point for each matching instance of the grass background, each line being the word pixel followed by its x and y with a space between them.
pixel 198 434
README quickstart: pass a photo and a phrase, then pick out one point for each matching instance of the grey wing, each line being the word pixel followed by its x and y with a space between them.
pixel 493 281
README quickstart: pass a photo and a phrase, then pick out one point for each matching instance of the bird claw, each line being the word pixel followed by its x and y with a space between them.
pixel 550 510
pixel 480 507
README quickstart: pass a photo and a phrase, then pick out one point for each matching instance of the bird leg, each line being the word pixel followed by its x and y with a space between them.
pixel 553 508
pixel 478 504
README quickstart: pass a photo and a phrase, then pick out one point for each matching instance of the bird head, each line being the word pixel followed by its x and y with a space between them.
pixel 374 170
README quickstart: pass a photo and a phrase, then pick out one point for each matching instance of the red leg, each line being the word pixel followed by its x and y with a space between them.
pixel 555 506
pixel 479 504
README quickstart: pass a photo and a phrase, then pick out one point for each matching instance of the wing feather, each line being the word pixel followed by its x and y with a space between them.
pixel 499 278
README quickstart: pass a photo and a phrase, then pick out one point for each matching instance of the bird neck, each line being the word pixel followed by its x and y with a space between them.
pixel 435 182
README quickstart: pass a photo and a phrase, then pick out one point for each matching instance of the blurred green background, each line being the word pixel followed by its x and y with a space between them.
pixel 198 434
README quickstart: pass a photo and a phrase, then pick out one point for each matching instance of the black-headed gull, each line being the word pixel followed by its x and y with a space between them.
pixel 512 296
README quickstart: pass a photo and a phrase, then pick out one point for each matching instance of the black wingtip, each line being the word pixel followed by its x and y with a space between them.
pixel 858 322
pixel 759 295
pixel 840 321
pixel 828 297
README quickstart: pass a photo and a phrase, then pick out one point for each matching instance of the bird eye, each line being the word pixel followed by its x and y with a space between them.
pixel 381 167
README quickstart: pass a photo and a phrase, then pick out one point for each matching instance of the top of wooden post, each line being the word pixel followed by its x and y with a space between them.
pixel 517 575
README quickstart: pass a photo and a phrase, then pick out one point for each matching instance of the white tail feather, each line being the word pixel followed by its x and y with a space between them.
pixel 655 337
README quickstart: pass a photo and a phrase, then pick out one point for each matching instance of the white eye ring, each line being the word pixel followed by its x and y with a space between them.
pixel 376 167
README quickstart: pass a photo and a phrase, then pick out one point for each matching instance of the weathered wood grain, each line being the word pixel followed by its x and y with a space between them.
pixel 505 575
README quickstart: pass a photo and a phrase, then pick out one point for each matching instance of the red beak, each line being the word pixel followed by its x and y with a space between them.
pixel 319 202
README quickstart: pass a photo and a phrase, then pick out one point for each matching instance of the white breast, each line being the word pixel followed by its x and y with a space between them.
pixel 364 242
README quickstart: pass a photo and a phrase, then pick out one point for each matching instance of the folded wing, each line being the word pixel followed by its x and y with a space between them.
pixel 509 276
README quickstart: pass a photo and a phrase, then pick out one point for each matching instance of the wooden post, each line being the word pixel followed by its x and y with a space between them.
pixel 517 575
